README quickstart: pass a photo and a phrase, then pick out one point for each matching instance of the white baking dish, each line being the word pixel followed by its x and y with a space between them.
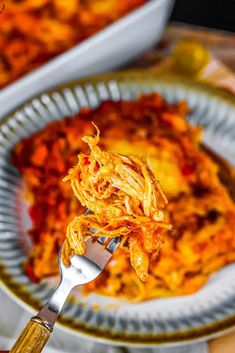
pixel 111 48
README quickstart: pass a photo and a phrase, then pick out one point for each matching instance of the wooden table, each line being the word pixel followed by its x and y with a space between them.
pixel 220 43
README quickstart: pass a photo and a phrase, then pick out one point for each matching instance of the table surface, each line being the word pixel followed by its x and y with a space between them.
pixel 13 317
pixel 220 43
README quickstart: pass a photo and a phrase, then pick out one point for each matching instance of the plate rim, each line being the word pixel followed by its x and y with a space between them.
pixel 151 74
pixel 205 332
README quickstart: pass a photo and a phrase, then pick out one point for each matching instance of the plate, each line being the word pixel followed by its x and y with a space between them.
pixel 168 321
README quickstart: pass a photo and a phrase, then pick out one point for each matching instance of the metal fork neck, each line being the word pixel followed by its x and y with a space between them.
pixel 51 310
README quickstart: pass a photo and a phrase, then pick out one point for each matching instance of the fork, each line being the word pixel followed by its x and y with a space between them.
pixel 82 270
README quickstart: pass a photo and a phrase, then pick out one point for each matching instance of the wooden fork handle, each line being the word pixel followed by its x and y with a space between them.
pixel 33 338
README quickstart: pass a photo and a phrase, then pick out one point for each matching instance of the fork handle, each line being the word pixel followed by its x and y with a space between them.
pixel 33 338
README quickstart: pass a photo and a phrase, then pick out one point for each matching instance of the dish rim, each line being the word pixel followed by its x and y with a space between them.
pixel 149 74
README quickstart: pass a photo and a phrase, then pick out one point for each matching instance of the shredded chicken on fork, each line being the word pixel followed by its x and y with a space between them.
pixel 126 201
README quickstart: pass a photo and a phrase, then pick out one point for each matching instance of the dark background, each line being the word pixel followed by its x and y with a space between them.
pixel 211 13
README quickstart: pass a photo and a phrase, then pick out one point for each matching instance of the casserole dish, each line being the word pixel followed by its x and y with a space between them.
pixel 107 50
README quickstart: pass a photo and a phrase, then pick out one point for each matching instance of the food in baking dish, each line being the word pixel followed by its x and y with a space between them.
pixel 33 32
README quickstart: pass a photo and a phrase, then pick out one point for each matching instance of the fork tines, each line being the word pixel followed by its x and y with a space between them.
pixel 112 243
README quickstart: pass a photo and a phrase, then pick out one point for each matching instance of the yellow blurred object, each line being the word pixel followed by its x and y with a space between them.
pixel 190 56
pixel 193 60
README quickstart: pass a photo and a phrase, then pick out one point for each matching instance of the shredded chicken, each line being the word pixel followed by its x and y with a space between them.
pixel 126 201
